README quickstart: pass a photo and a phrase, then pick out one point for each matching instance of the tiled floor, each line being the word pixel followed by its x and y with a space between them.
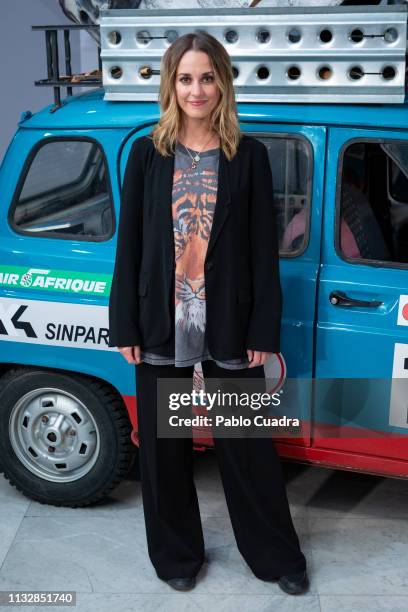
pixel 353 530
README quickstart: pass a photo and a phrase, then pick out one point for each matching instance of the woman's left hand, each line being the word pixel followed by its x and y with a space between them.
pixel 257 358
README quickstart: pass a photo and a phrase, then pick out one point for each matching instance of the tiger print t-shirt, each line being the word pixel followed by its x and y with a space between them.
pixel 193 203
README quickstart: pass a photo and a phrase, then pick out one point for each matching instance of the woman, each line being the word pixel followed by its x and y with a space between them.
pixel 196 279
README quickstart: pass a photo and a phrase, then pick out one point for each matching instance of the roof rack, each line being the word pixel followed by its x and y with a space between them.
pixel 342 54
pixel 337 54
pixel 68 80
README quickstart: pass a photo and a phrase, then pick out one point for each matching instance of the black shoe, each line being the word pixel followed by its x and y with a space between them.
pixel 294 584
pixel 182 584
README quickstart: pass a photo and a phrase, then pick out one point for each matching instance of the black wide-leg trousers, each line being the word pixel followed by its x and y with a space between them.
pixel 252 479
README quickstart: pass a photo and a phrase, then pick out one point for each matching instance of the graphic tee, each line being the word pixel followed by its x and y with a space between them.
pixel 194 196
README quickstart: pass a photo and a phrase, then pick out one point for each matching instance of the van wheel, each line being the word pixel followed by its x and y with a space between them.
pixel 64 438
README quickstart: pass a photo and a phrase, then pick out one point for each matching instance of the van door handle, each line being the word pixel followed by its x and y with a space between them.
pixel 339 298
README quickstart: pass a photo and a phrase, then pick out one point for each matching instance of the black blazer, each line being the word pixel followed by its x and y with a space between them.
pixel 242 286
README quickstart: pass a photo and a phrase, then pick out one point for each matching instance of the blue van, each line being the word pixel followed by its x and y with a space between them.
pixel 68 426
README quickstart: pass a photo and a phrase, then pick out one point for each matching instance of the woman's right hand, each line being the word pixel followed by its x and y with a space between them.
pixel 130 353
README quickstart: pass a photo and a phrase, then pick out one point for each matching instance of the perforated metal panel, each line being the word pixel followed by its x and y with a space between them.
pixel 336 54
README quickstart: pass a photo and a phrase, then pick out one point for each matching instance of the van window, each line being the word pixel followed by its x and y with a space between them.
pixel 65 192
pixel 291 164
pixel 372 202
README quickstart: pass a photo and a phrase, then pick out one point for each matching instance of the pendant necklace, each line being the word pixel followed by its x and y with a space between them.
pixel 196 158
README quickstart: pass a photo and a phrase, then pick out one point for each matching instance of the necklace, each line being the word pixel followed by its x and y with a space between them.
pixel 196 158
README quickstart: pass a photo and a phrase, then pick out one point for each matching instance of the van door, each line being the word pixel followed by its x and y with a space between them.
pixel 296 155
pixel 362 331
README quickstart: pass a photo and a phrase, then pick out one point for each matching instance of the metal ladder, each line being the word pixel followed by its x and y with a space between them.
pixel 346 54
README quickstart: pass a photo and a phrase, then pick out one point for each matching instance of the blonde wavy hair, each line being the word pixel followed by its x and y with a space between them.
pixel 224 117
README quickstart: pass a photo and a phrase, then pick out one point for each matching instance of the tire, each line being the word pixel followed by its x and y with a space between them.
pixel 64 437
